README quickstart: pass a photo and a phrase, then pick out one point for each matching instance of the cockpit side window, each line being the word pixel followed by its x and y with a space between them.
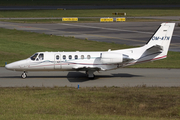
pixel 41 56
pixel 34 56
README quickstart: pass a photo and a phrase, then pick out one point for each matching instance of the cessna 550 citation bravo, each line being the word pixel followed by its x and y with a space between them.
pixel 156 48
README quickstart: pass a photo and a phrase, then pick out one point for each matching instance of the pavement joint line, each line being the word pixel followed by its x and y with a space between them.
pixel 109 29
pixel 93 27
pixel 105 28
pixel 174 44
pixel 115 38
pixel 29 27
pixel 103 36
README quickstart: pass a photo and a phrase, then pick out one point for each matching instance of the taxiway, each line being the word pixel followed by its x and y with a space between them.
pixel 129 33
pixel 124 77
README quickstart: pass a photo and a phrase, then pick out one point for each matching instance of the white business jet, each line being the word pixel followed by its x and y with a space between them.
pixel 156 48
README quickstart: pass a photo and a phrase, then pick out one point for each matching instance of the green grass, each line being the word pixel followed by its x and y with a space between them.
pixel 89 13
pixel 16 45
pixel 89 2
pixel 126 103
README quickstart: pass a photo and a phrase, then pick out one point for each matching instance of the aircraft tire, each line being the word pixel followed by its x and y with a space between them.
pixel 24 75
pixel 92 77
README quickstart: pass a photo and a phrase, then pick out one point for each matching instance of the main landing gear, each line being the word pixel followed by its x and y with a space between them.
pixel 90 74
pixel 24 75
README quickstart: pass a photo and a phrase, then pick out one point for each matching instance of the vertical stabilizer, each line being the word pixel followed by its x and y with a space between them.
pixel 162 37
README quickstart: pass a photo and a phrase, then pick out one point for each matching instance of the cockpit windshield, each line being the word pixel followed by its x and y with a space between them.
pixel 41 56
pixel 37 57
pixel 34 56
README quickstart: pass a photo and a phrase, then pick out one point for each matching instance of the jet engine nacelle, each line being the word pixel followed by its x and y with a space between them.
pixel 114 58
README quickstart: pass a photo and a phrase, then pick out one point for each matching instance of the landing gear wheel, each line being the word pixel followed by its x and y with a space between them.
pixel 24 75
pixel 90 74
pixel 92 77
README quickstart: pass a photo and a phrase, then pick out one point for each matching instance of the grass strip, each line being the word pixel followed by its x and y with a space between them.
pixel 88 2
pixel 16 45
pixel 130 103
pixel 89 13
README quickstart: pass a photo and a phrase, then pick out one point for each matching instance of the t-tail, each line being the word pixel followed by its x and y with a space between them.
pixel 161 39
pixel 157 47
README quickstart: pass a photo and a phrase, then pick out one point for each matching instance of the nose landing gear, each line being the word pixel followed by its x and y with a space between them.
pixel 24 75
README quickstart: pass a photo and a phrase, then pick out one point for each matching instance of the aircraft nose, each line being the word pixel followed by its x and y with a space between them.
pixel 16 65
pixel 12 66
pixel 9 66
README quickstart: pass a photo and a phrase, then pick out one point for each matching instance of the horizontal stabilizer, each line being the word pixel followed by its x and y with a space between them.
pixel 155 48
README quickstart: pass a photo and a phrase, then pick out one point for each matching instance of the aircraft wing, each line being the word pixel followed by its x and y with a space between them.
pixel 87 68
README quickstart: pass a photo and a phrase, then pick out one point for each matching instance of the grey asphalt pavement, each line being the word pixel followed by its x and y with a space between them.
pixel 129 33
pixel 123 77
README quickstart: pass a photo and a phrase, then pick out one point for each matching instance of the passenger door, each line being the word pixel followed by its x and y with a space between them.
pixel 57 61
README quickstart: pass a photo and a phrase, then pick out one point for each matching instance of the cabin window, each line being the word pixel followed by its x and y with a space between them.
pixel 76 57
pixel 34 56
pixel 82 56
pixel 70 56
pixel 64 57
pixel 57 57
pixel 88 57
pixel 41 56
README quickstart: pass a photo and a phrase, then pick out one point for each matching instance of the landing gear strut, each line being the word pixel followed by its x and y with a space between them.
pixel 24 75
pixel 90 74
